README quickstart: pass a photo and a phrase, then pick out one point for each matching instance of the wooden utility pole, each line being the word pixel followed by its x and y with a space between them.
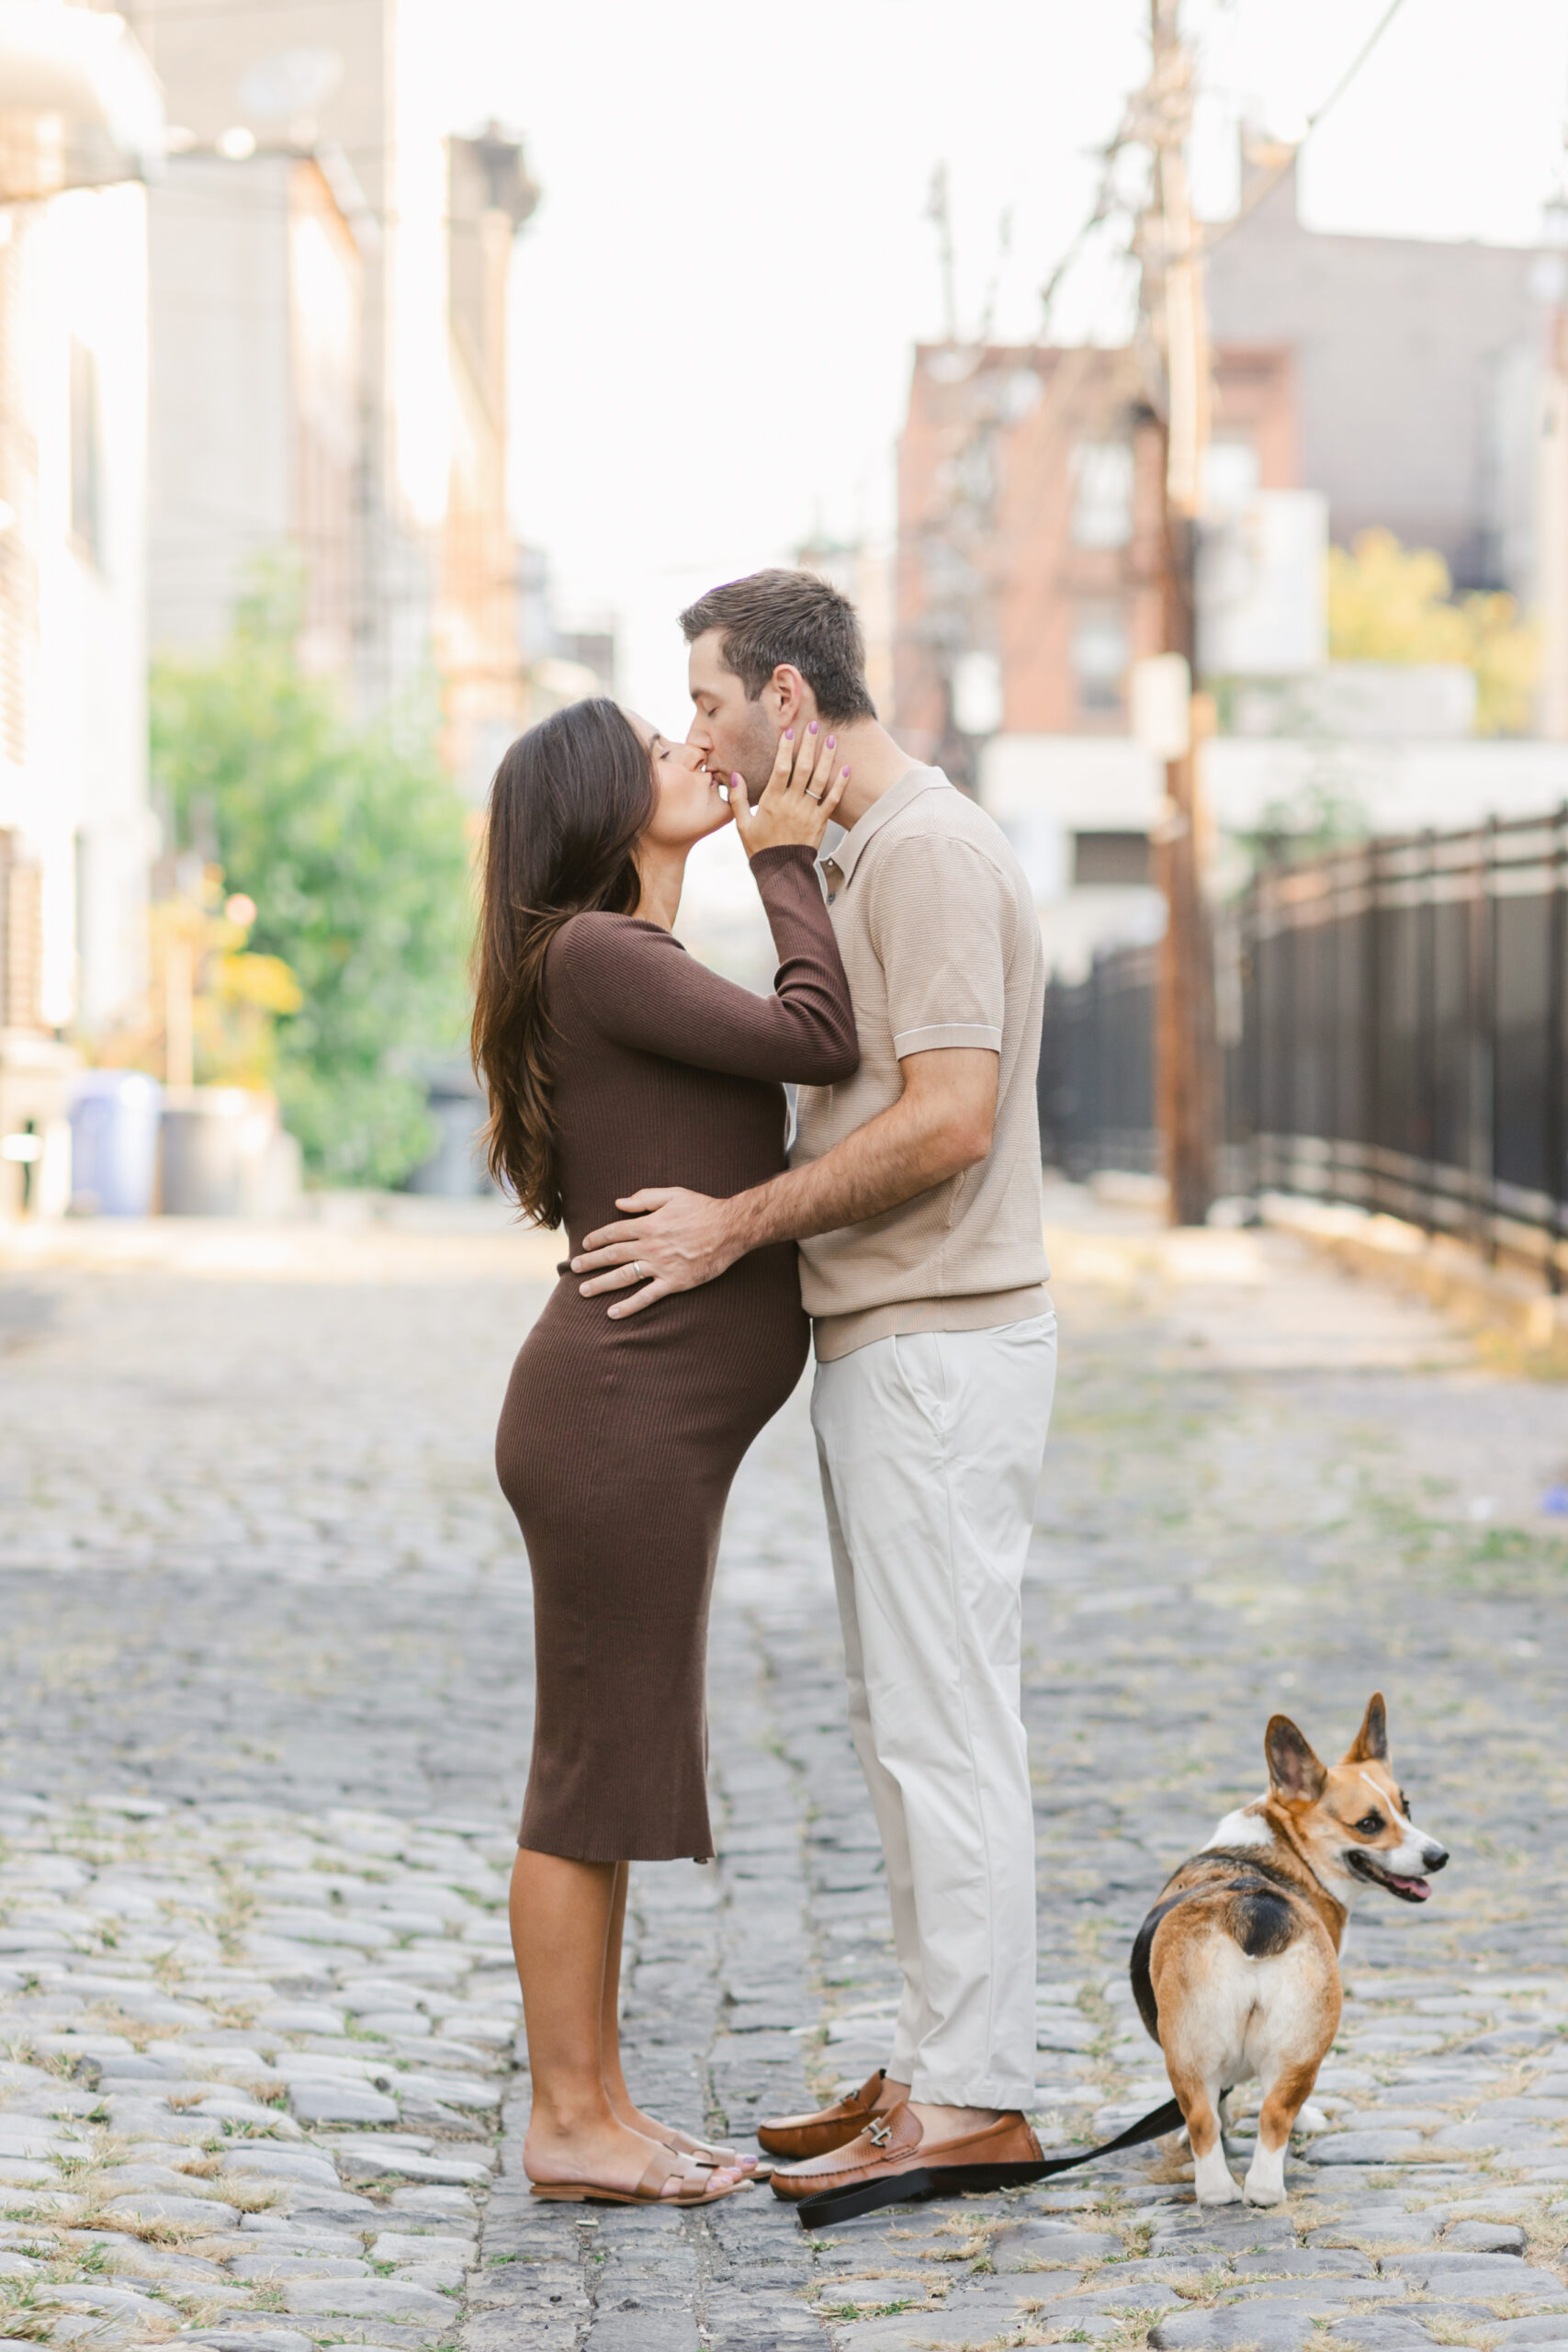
pixel 1186 1051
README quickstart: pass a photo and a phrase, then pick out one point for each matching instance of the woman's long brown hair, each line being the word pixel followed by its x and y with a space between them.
pixel 570 799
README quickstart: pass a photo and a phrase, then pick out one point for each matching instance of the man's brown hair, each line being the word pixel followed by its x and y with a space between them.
pixel 794 616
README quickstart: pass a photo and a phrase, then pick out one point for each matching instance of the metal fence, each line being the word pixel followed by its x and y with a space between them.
pixel 1097 1067
pixel 1398 1038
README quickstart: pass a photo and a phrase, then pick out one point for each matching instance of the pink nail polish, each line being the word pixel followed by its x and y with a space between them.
pixel 833 743
pixel 789 734
pixel 813 728
pixel 845 773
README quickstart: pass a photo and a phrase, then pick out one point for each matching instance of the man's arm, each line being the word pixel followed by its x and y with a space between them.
pixel 674 1239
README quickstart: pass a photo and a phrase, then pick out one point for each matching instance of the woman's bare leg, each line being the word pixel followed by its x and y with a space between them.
pixel 615 2090
pixel 620 2098
pixel 562 1917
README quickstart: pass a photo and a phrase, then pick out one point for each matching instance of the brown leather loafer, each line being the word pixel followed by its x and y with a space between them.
pixel 890 2164
pixel 797 2137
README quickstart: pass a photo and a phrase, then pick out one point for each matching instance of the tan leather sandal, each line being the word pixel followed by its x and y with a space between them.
pixel 704 2152
pixel 664 2165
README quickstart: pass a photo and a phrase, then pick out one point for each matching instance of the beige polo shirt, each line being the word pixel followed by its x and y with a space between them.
pixel 937 927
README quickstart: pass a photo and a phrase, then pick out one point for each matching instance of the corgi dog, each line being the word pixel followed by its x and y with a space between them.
pixel 1235 1971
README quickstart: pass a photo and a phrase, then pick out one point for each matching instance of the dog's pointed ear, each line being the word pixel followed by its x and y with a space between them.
pixel 1293 1769
pixel 1370 1742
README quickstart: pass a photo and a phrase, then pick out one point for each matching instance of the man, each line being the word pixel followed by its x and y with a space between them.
pixel 914 1192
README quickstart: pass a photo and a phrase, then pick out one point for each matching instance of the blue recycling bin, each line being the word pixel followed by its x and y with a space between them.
pixel 114 1117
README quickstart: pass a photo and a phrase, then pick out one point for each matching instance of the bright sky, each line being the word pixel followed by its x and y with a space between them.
pixel 716 301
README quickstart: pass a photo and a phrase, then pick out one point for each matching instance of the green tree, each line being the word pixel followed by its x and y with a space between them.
pixel 353 845
pixel 1389 602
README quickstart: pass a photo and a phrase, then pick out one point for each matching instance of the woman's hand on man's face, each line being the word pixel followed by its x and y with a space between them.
pixel 800 796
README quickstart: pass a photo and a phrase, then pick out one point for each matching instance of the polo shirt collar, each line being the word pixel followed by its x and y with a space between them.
pixel 897 796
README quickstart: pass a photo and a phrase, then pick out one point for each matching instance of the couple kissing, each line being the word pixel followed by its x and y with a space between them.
pixel 638 1100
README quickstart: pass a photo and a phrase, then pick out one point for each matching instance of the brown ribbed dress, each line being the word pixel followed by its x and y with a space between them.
pixel 618 1440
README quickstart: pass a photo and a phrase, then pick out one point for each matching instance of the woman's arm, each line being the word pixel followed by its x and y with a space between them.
pixel 638 986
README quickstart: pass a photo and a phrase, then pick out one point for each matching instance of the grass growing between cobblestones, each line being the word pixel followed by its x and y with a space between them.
pixel 284 1626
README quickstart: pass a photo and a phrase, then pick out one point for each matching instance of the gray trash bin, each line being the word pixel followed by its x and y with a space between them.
pixel 455 1169
pixel 205 1141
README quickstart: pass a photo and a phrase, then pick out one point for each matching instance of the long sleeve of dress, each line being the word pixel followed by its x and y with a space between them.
pixel 639 987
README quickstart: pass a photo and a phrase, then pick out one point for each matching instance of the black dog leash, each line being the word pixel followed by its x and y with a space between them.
pixel 954 2180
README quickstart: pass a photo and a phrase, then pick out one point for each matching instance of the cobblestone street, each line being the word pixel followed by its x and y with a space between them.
pixel 265 1684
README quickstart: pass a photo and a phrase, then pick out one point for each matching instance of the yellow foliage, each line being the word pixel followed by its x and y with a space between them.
pixel 264 982
pixel 239 1001
pixel 236 998
pixel 1389 602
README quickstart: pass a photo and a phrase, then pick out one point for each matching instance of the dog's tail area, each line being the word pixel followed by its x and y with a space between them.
pixel 1261 1921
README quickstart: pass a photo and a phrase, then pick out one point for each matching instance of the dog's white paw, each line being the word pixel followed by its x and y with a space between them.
pixel 1311 2119
pixel 1266 2179
pixel 1213 2182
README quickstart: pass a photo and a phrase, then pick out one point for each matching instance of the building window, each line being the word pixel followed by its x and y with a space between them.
pixel 1111 860
pixel 86 468
pixel 1100 657
pixel 1102 495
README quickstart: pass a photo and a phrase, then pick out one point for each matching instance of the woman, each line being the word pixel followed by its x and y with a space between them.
pixel 613 1059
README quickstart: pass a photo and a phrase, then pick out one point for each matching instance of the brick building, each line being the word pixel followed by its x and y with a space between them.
pixel 1028 503
pixel 1401 379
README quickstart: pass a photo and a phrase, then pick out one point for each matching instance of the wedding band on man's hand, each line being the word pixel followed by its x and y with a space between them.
pixel 637 1268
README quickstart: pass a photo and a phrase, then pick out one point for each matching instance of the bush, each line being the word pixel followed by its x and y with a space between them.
pixel 1389 602
pixel 353 844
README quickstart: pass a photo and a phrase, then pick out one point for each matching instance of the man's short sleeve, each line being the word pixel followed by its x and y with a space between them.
pixel 942 920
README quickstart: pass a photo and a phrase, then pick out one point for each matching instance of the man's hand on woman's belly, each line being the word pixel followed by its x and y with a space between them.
pixel 673 1239
pixel 670 1239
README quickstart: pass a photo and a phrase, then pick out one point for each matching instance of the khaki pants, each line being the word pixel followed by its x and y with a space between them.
pixel 930 1448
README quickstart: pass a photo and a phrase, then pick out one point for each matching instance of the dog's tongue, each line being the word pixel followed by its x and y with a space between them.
pixel 1417 1889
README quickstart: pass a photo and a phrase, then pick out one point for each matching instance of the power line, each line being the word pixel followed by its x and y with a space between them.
pixel 1104 208
pixel 1141 126
pixel 1351 71
pixel 1107 204
pixel 939 210
pixel 1271 180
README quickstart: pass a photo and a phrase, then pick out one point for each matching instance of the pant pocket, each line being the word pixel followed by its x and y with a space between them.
pixel 918 1358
